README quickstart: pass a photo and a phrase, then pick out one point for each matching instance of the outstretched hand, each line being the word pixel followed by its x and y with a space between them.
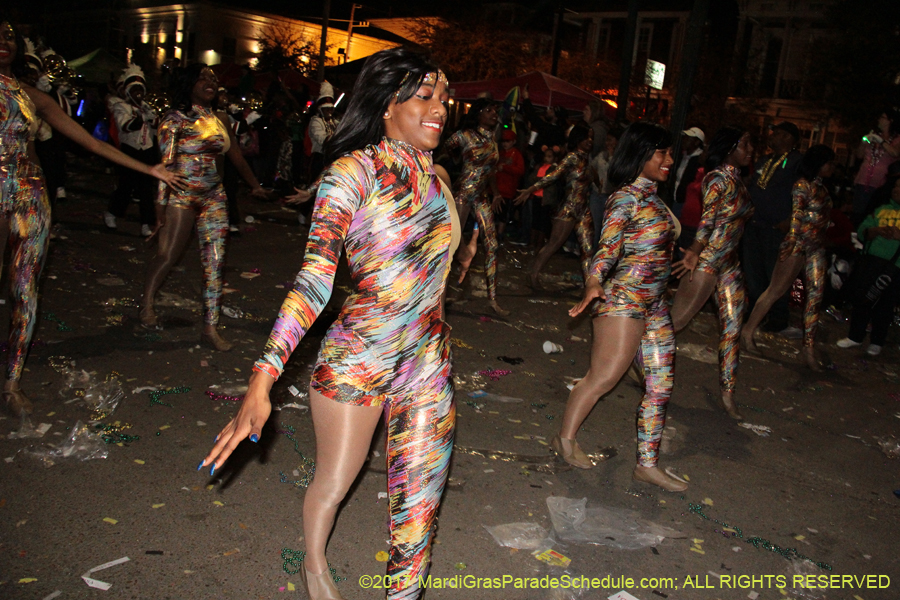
pixel 246 424
pixel 260 193
pixel 301 197
pixel 592 290
pixel 176 182
pixel 522 197
pixel 686 265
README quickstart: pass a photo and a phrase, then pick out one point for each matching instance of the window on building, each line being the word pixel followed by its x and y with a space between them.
pixel 602 40
pixel 645 38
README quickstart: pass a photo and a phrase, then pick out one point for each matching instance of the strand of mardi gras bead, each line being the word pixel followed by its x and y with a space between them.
pixel 223 397
pixel 155 396
pixel 61 326
pixel 307 465
pixel 757 541
pixel 295 558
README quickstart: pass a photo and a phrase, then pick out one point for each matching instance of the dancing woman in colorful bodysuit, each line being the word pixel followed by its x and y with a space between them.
pixel 628 276
pixel 574 213
pixel 192 140
pixel 712 258
pixel 476 187
pixel 388 354
pixel 802 249
pixel 24 207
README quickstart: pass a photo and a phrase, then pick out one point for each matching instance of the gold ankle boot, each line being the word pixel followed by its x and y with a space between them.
pixel 321 586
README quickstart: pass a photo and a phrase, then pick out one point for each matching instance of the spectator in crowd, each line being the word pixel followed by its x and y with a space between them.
pixel 596 119
pixel 770 191
pixel 601 188
pixel 878 151
pixel 877 276
pixel 509 175
pixel 321 128
pixel 692 142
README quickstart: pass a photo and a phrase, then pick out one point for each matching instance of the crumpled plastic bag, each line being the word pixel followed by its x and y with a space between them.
pixel 84 443
pixel 102 397
pixel 890 446
pixel 804 568
pixel 522 536
pixel 27 430
pixel 617 528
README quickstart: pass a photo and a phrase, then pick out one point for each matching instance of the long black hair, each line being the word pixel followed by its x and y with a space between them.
pixel 185 79
pixel 19 66
pixel 470 121
pixel 721 145
pixel 894 117
pixel 578 133
pixel 398 71
pixel 635 148
pixel 813 161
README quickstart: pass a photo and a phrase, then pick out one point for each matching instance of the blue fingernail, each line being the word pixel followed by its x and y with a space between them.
pixel 213 470
pixel 254 438
pixel 200 466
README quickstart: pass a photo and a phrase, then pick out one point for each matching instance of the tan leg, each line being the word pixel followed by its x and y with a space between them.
pixel 782 277
pixel 343 436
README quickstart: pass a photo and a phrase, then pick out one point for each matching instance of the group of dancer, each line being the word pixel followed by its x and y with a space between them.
pixel 385 205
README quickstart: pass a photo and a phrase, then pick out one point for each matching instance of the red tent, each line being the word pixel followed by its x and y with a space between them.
pixel 544 90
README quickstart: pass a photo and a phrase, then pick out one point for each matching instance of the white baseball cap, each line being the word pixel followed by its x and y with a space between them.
pixel 695 132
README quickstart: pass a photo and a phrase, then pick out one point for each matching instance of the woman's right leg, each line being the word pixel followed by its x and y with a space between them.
pixel 616 340
pixel 26 230
pixel 173 239
pixel 343 437
pixel 782 277
pixel 690 297
pixel 558 236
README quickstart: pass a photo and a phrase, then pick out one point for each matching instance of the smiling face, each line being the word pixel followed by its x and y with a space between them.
pixel 205 89
pixel 420 120
pixel 658 165
pixel 8 48
pixel 587 143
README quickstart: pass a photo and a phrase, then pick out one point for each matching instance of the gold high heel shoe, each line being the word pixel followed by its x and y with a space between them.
pixel 574 455
pixel 321 586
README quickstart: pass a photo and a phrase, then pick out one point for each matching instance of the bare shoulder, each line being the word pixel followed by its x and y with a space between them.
pixel 443 174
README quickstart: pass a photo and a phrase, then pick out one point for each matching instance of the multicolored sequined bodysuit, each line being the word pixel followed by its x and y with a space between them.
pixel 389 346
pixel 25 206
pixel 726 209
pixel 633 262
pixel 190 144
pixel 810 217
pixel 480 157
pixel 577 170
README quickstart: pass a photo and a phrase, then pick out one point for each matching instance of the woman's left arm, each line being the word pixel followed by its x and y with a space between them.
pixel 237 159
pixel 49 111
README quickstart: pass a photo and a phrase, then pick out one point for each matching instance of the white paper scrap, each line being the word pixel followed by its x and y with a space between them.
pixel 102 585
pixel 55 594
pixel 623 595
